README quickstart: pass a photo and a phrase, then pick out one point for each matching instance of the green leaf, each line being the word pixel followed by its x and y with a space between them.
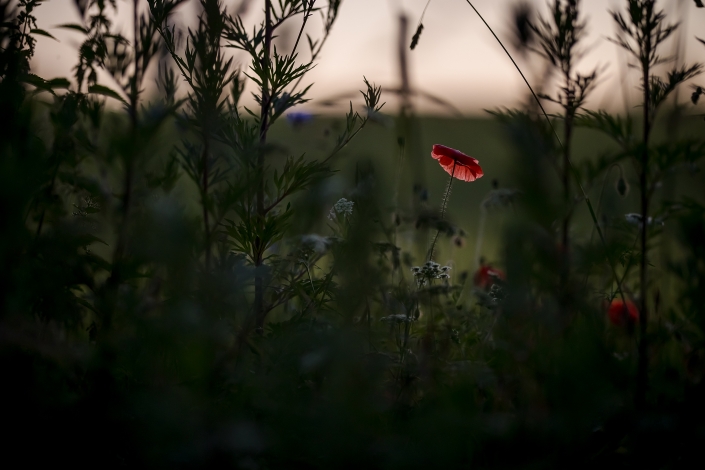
pixel 105 91
pixel 35 80
pixel 41 32
pixel 60 82
pixel 74 26
pixel 45 85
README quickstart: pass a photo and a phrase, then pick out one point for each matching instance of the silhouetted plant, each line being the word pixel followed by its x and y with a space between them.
pixel 560 40
pixel 249 315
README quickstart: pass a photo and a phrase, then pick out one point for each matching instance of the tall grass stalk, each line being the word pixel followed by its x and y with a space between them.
pixel 559 39
pixel 641 32
pixel 643 366
pixel 404 111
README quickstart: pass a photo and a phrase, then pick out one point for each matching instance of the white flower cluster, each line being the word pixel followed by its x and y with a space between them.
pixel 430 270
pixel 317 243
pixel 636 219
pixel 342 207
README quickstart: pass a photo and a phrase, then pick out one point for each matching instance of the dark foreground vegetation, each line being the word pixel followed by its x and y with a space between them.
pixel 188 282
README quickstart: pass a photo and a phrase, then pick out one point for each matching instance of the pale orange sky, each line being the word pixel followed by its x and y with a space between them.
pixel 457 58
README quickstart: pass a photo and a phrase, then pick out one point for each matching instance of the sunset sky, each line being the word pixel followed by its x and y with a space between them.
pixel 457 58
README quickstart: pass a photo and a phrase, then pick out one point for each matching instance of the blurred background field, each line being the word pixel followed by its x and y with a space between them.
pixel 483 138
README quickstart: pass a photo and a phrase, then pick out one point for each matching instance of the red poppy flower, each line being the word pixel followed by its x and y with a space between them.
pixel 486 276
pixel 456 163
pixel 621 314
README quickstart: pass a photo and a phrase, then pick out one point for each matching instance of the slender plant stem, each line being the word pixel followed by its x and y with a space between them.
pixel 204 200
pixel 116 273
pixel 314 54
pixel 24 33
pixel 423 13
pixel 599 206
pixel 446 196
pixel 643 364
pixel 307 14
pixel 264 125
pixel 568 137
pixel 405 108
pixel 134 82
pixel 627 267
pixel 49 190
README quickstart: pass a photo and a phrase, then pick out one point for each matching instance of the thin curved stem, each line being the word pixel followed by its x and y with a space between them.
pixel 526 81
pixel 423 13
pixel 397 182
pixel 307 15
pixel 599 205
pixel 446 196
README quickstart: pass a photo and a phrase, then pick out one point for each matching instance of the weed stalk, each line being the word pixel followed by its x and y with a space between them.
pixel 264 126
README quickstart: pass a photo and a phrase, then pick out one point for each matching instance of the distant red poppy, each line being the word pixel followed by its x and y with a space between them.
pixel 486 276
pixel 621 314
pixel 456 163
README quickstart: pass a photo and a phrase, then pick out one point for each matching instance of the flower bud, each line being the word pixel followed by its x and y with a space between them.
pixel 622 186
pixel 417 35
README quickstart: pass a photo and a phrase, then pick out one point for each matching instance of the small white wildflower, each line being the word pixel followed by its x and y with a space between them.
pixel 316 242
pixel 342 207
pixel 636 219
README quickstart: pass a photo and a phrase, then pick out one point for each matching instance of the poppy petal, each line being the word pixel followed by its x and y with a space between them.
pixel 621 314
pixel 456 163
pixel 486 276
pixel 466 173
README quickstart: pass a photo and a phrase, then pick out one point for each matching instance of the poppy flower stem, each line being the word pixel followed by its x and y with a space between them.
pixel 480 236
pixel 424 12
pixel 446 196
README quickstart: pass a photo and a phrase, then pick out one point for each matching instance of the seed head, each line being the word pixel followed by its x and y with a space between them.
pixel 417 35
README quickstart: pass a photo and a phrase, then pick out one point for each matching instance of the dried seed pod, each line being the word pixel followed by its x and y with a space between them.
pixel 417 35
pixel 622 186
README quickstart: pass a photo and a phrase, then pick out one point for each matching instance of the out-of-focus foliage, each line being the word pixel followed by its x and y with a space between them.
pixel 180 289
